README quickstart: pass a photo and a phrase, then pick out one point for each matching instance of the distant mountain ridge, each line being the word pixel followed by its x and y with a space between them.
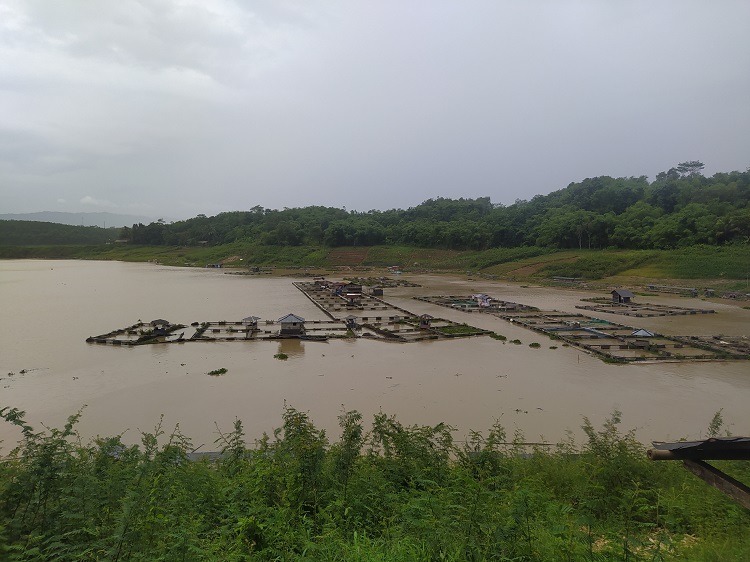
pixel 104 220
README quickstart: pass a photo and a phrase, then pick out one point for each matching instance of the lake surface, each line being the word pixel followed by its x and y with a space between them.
pixel 49 308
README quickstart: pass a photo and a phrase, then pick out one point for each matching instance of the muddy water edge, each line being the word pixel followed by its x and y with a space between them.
pixel 51 307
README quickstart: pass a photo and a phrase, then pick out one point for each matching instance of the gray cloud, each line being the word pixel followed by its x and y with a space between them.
pixel 187 107
pixel 92 201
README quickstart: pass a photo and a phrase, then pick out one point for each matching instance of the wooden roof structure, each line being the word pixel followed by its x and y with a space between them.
pixel 693 455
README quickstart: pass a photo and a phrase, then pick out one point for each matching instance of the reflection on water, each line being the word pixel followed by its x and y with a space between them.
pixel 50 308
pixel 293 348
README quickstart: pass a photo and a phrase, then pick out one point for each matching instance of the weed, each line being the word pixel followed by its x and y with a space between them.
pixel 458 329
pixel 393 492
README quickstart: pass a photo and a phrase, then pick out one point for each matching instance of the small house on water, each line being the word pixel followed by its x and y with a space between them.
pixel 425 320
pixel 622 296
pixel 291 324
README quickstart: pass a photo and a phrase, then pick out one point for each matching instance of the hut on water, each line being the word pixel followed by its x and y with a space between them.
pixel 351 321
pixel 291 324
pixel 425 320
pixel 622 296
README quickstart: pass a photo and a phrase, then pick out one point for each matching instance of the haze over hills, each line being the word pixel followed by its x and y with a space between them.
pixel 104 220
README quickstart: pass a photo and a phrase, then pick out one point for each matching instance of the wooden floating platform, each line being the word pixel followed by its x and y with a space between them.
pixel 466 303
pixel 640 310
pixel 618 342
pixel 608 340
pixel 735 347
pixel 389 322
pixel 221 331
pixel 371 317
pixel 334 305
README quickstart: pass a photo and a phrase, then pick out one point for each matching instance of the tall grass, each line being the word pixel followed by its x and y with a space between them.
pixel 599 264
pixel 390 492
pixel 703 262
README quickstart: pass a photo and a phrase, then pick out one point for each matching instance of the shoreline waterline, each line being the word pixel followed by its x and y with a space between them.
pixel 52 306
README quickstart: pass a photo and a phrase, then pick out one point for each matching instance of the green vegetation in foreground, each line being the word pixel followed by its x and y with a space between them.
pixel 394 492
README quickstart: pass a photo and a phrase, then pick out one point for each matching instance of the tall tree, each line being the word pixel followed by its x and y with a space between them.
pixel 690 168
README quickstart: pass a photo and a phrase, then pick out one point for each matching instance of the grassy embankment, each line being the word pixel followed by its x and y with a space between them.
pixel 392 492
pixel 725 267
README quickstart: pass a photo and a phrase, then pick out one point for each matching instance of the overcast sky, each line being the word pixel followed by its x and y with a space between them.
pixel 178 107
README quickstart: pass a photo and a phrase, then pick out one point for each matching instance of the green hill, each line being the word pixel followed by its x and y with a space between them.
pixel 33 233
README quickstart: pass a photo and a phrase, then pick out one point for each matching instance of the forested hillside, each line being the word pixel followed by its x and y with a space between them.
pixel 29 233
pixel 77 219
pixel 681 207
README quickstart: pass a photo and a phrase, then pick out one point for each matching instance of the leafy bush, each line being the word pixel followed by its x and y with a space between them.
pixel 395 492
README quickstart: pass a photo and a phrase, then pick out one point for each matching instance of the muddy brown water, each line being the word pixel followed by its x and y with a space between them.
pixel 49 308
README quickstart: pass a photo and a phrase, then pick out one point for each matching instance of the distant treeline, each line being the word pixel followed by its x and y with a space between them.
pixel 30 233
pixel 680 208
